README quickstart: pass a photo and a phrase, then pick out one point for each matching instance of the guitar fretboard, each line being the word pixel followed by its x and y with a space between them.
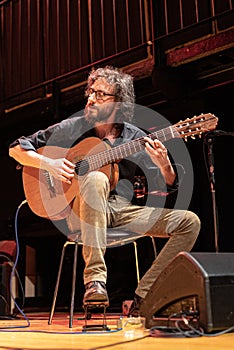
pixel 114 154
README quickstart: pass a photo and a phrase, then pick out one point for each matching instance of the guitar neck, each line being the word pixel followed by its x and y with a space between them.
pixel 125 150
pixel 183 129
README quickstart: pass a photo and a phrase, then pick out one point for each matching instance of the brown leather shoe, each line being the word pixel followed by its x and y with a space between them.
pixel 95 292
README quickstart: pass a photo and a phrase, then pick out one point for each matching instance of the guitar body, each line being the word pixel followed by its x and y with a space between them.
pixel 51 198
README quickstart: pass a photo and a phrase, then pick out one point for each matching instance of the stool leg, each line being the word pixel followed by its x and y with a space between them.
pixel 136 260
pixel 154 246
pixel 73 285
pixel 57 284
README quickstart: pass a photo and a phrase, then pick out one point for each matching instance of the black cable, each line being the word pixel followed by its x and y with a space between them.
pixel 194 332
pixel 202 333
pixel 187 333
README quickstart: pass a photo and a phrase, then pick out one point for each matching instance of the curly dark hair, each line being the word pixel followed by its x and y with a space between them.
pixel 124 90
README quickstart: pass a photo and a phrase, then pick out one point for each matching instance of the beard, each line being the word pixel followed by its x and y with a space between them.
pixel 96 114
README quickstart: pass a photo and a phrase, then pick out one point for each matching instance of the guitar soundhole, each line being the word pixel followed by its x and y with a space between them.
pixel 82 167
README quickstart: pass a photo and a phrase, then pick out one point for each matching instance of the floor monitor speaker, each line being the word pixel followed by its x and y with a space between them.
pixel 199 283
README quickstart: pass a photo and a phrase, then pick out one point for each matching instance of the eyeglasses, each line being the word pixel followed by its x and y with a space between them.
pixel 99 95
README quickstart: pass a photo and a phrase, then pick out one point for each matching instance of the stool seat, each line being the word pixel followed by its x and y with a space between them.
pixel 115 237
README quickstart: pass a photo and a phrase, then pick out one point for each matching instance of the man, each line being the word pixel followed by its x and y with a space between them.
pixel 102 201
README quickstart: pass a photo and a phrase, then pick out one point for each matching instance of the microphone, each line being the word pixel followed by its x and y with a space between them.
pixel 216 133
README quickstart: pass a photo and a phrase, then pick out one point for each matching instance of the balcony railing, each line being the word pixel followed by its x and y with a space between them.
pixel 49 42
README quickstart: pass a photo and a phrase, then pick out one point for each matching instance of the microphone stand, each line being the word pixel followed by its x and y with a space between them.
pixel 209 139
pixel 210 143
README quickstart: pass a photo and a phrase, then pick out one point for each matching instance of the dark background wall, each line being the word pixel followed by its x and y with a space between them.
pixel 182 62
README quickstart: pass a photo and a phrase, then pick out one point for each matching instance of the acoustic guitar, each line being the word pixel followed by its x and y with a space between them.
pixel 51 198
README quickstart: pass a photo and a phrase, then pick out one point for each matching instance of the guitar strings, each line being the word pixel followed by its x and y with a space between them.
pixel 96 161
pixel 109 155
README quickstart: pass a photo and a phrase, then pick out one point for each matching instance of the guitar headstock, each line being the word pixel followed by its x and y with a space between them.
pixel 195 126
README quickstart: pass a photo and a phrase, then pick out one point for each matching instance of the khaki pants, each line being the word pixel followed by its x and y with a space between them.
pixel 93 210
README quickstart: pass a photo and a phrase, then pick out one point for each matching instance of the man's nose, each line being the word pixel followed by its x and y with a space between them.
pixel 92 97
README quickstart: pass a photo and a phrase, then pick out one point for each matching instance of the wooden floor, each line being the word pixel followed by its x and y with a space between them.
pixel 35 333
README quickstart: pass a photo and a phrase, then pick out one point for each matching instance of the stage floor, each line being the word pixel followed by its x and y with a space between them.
pixel 34 332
